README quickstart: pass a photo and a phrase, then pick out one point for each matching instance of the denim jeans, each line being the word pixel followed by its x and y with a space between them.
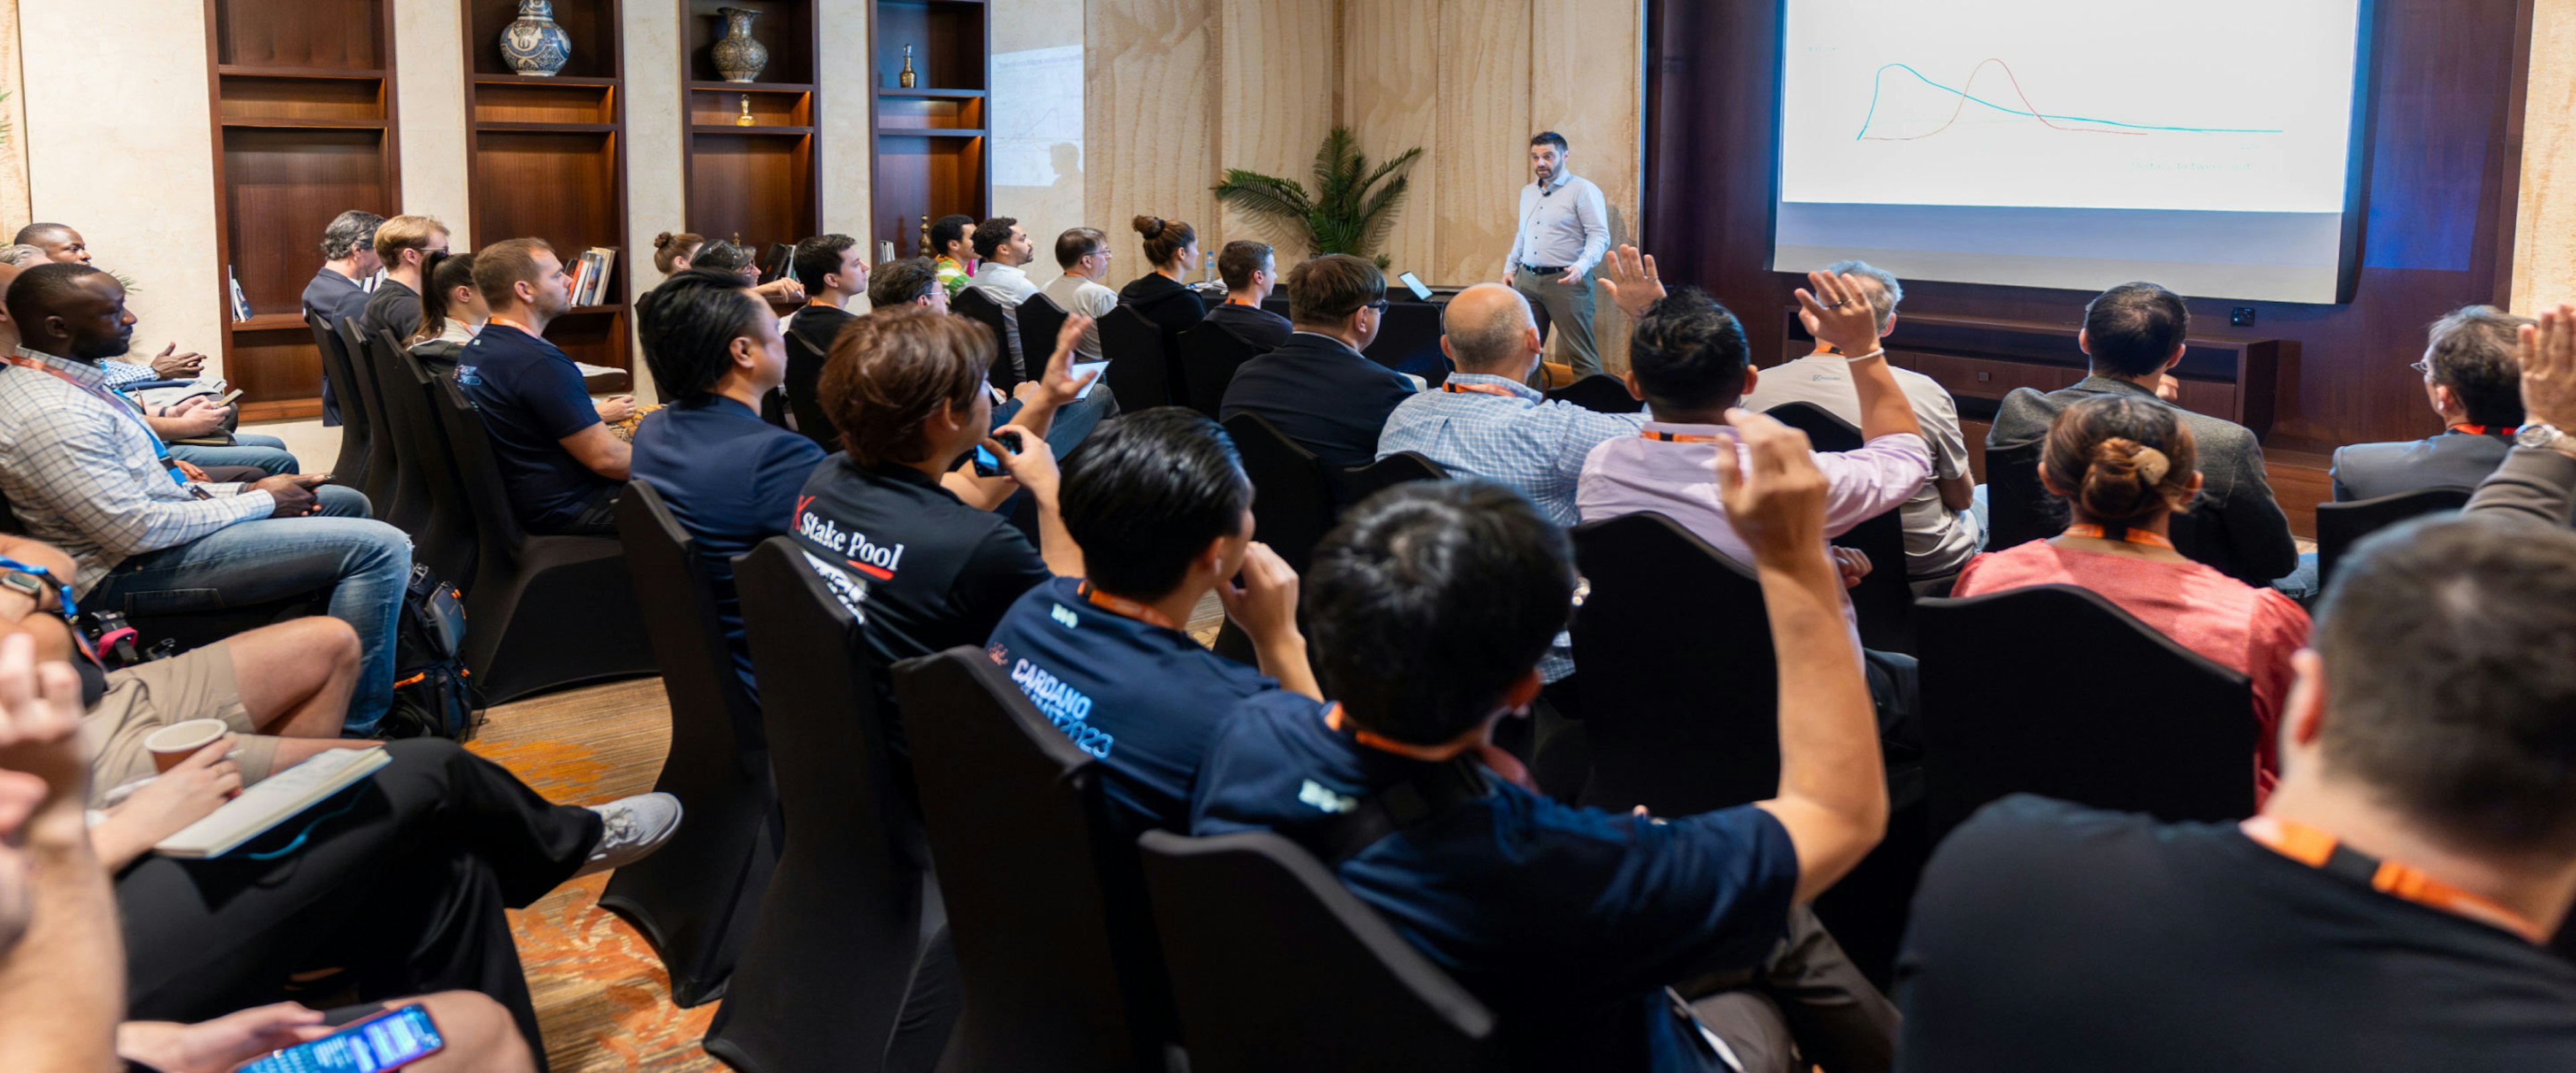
pixel 264 452
pixel 363 564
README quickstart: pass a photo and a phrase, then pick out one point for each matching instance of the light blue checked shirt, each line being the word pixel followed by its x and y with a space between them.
pixel 1520 438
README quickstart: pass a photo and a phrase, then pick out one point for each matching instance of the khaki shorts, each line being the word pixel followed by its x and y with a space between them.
pixel 192 685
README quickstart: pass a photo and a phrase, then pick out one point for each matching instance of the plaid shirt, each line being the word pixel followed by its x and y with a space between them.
pixel 83 473
pixel 117 374
pixel 1521 439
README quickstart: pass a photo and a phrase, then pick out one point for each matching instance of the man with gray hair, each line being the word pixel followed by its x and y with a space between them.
pixel 339 290
pixel 2474 384
pixel 1941 535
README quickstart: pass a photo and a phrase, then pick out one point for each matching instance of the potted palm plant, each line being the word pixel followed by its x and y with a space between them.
pixel 1350 208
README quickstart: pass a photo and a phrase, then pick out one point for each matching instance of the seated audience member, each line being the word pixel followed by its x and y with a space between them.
pixel 1940 531
pixel 84 475
pixel 1083 253
pixel 451 311
pixel 1250 272
pixel 835 270
pixel 898 519
pixel 1487 422
pixel 1430 605
pixel 1316 387
pixel 59 242
pixel 2472 381
pixel 673 249
pixel 2125 466
pixel 1164 295
pixel 404 245
pixel 551 441
pixel 1001 248
pixel 910 282
pixel 1159 504
pixel 731 478
pixel 2133 333
pixel 72 249
pixel 337 293
pixel 2391 905
pixel 952 242
pixel 673 253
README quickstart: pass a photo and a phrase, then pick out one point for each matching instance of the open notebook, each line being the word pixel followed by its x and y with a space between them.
pixel 273 801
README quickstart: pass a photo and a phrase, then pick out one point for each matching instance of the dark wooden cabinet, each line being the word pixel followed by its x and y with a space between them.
pixel 930 138
pixel 754 183
pixel 304 118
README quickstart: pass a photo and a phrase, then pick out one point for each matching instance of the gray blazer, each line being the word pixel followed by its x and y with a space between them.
pixel 2450 460
pixel 2252 536
pixel 2534 485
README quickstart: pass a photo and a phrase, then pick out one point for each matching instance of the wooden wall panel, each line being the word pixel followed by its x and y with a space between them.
pixel 1277 66
pixel 2544 262
pixel 1151 128
pixel 1481 161
pixel 1391 98
pixel 1587 70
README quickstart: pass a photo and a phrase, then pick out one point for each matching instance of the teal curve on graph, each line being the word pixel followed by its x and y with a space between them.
pixel 2028 110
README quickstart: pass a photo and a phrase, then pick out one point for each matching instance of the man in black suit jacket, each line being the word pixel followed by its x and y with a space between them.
pixel 2473 381
pixel 1317 388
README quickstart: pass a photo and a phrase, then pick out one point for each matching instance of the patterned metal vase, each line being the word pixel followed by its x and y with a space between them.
pixel 738 57
pixel 534 46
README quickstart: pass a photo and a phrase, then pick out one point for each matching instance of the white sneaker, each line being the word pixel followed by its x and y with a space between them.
pixel 634 828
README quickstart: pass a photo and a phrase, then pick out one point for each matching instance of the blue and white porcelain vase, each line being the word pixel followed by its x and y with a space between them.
pixel 534 46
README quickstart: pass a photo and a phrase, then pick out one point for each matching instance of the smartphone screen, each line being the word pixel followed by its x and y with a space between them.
pixel 387 1041
pixel 985 464
pixel 228 399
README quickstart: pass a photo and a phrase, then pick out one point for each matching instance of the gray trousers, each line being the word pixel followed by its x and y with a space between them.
pixel 1570 309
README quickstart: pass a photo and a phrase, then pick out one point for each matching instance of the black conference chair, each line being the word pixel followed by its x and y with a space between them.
pixel 546 611
pixel 2018 509
pixel 2014 701
pixel 973 304
pixel 1883 601
pixel 1680 694
pixel 1055 947
pixel 1140 360
pixel 1600 393
pixel 1209 355
pixel 1398 468
pixel 367 409
pixel 1040 319
pixel 1292 499
pixel 853 907
pixel 407 505
pixel 695 898
pixel 2342 525
pixel 349 470
pixel 803 390
pixel 1277 968
pixel 447 541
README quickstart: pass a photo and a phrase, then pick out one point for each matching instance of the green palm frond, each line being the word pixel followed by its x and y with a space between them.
pixel 1349 210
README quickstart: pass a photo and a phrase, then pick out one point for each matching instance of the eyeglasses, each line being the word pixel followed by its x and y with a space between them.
pixel 2423 367
pixel 1379 305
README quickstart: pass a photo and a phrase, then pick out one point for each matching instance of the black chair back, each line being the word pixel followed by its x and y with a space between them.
pixel 408 506
pixel 973 304
pixel 1600 393
pixel 2342 525
pixel 349 470
pixel 1209 355
pixel 369 411
pixel 447 540
pixel 852 904
pixel 802 388
pixel 2054 690
pixel 1140 360
pixel 1680 695
pixel 1398 468
pixel 2018 509
pixel 1275 967
pixel 1045 897
pixel 694 899
pixel 1884 601
pixel 1292 500
pixel 1040 319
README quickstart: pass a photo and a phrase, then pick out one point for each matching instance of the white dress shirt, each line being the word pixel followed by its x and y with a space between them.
pixel 1566 225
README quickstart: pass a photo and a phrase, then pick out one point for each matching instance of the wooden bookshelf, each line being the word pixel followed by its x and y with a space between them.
pixel 546 158
pixel 302 95
pixel 931 139
pixel 757 184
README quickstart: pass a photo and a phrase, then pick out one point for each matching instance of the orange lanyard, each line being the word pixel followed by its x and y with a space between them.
pixel 2484 430
pixel 508 323
pixel 1501 763
pixel 1130 608
pixel 2317 849
pixel 1677 437
pixel 1455 388
pixel 2133 536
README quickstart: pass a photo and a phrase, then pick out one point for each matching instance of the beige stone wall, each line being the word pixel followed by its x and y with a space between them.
pixel 14 203
pixel 2544 258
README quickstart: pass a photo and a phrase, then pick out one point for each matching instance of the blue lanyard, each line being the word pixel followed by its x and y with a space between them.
pixel 71 610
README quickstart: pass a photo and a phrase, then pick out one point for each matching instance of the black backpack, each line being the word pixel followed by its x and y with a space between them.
pixel 434 695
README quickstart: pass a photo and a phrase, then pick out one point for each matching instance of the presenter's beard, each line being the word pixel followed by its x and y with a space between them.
pixel 1543 174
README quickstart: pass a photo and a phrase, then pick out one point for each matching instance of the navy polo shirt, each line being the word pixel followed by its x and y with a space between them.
pixel 926 572
pixel 731 479
pixel 1568 921
pixel 1145 699
pixel 531 397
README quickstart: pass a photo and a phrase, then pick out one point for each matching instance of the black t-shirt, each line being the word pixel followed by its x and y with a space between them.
pixel 2052 937
pixel 393 308
pixel 1259 327
pixel 1167 302
pixel 818 325
pixel 925 571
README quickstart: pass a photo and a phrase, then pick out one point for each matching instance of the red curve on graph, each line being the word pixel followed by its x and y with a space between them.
pixel 2034 112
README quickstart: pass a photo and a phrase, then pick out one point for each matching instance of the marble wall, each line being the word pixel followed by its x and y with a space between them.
pixel 2544 257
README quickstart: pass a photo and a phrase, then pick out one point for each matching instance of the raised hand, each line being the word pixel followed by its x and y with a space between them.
pixel 2548 354
pixel 1629 278
pixel 1775 498
pixel 1057 385
pixel 1838 313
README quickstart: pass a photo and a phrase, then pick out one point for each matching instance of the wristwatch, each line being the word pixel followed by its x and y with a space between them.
pixel 29 585
pixel 2542 436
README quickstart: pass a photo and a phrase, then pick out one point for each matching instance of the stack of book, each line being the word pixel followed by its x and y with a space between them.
pixel 240 301
pixel 590 275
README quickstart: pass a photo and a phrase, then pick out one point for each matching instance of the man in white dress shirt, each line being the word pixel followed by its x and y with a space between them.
pixel 1564 231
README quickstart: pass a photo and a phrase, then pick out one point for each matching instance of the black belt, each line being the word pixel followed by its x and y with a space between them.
pixel 1556 271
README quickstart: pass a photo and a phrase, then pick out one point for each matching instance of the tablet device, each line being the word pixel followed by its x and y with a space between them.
pixel 1082 368
pixel 1420 292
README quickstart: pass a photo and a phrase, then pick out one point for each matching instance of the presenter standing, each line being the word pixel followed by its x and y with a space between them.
pixel 1564 230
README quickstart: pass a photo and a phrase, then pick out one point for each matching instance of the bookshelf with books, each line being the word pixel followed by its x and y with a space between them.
pixel 547 159
pixel 752 153
pixel 930 128
pixel 305 126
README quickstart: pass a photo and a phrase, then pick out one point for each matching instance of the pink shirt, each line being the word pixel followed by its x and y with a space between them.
pixel 1628 474
pixel 2233 624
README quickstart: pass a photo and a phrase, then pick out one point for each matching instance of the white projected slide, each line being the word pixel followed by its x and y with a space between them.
pixel 2204 105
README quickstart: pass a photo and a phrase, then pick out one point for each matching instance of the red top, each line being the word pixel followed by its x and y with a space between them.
pixel 2225 620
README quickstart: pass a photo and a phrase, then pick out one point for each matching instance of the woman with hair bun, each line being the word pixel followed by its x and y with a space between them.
pixel 2125 466
pixel 1164 295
